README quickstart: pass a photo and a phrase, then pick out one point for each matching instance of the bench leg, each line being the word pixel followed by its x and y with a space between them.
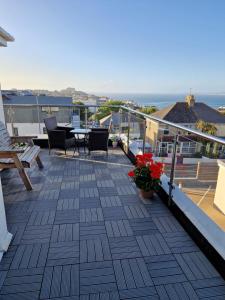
pixel 23 173
pixel 25 179
pixel 39 162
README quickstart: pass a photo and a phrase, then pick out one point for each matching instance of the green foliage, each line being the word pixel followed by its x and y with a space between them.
pixel 206 127
pixel 148 110
pixel 106 110
pixel 79 110
pixel 144 182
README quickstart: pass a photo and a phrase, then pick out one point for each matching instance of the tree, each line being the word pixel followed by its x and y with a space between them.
pixel 148 110
pixel 209 129
pixel 79 110
pixel 106 110
pixel 206 127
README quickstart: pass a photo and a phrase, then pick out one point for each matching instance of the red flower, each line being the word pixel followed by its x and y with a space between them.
pixel 131 174
pixel 148 156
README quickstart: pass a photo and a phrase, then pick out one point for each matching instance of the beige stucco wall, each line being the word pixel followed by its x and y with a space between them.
pixel 220 129
pixel 152 132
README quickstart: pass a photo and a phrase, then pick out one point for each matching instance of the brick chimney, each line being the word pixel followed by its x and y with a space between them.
pixel 190 100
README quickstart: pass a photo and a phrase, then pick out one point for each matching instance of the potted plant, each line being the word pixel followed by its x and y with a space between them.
pixel 114 140
pixel 146 175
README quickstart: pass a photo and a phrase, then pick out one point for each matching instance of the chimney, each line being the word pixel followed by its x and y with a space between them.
pixel 190 100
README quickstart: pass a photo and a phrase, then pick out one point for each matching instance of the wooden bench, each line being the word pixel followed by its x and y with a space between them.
pixel 14 156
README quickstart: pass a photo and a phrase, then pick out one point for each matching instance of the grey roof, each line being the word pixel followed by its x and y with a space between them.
pixel 180 112
pixel 42 100
pixel 115 117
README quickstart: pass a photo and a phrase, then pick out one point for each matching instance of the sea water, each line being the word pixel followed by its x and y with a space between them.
pixel 163 100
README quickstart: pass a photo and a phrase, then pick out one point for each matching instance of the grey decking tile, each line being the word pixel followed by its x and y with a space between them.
pixel 110 201
pixel 124 247
pixel 91 215
pixel 17 231
pixel 129 200
pixel 164 269
pixel 71 203
pixel 63 253
pixel 90 203
pixel 97 277
pixel 196 266
pixel 7 258
pixel 92 230
pixel 126 190
pixel 2 277
pixel 37 234
pixel 153 244
pixel 87 178
pixel 177 291
pixel 143 226
pixel 210 288
pixel 180 242
pixel 100 296
pixel 60 281
pixel 131 274
pixel 65 233
pixel 48 195
pixel 114 213
pixel 71 185
pixel 94 250
pixel 88 192
pixel 118 228
pixel 105 183
pixel 42 218
pixel 67 216
pixel 107 191
pixel 30 256
pixel 136 211
pixel 22 282
pixel 167 224
pixel 139 293
pixel 21 296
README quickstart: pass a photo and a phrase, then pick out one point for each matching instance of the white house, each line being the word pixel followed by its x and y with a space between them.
pixel 5 236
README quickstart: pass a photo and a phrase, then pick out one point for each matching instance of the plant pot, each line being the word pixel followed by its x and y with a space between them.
pixel 114 144
pixel 147 195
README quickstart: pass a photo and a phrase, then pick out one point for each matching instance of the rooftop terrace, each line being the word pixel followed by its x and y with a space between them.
pixel 84 233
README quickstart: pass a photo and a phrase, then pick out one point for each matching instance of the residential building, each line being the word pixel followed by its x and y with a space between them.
pixel 31 122
pixel 186 113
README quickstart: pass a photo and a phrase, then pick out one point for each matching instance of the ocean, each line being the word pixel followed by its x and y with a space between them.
pixel 163 100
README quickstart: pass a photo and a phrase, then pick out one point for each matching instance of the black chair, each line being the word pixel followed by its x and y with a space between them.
pixel 58 136
pixel 98 140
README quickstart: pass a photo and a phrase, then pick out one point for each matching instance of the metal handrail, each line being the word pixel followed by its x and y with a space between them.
pixel 150 117
pixel 193 131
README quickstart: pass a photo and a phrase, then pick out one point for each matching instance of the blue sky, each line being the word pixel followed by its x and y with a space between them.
pixel 160 46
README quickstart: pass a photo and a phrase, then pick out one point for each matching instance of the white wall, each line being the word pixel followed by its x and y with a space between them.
pixel 219 199
pixel 5 236
pixel 2 116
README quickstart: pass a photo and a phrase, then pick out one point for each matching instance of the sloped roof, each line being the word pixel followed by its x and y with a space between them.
pixel 42 100
pixel 181 112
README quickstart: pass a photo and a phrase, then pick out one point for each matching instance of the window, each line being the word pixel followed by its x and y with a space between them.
pixel 49 109
pixel 15 131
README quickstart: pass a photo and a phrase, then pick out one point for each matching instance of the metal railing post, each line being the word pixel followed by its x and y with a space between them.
pixel 144 136
pixel 86 118
pixel 172 172
pixel 128 133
